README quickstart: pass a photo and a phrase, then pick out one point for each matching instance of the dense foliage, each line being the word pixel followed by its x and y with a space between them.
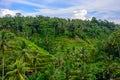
pixel 44 48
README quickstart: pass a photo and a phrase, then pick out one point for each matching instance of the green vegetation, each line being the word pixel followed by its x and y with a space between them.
pixel 44 48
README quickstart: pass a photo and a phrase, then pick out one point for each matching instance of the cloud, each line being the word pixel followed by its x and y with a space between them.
pixel 80 14
pixel 115 19
pixel 83 9
pixel 28 3
pixel 50 1
pixel 5 2
pixel 61 12
pixel 10 2
pixel 4 12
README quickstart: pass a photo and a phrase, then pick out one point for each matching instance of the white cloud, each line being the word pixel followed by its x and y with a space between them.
pixel 10 2
pixel 103 9
pixel 115 19
pixel 80 14
pixel 61 12
pixel 5 2
pixel 28 3
pixel 50 1
pixel 3 12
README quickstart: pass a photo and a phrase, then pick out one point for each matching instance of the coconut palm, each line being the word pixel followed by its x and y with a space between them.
pixel 17 71
pixel 20 65
pixel 24 54
pixel 5 37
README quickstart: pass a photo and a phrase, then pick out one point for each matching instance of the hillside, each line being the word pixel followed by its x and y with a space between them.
pixel 19 54
pixel 44 48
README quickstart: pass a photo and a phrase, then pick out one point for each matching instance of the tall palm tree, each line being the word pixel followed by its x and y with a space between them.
pixel 3 43
pixel 24 54
pixel 19 67
pixel 4 38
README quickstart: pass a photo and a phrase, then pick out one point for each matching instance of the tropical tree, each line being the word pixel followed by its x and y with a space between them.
pixel 17 71
pixel 113 44
pixel 4 37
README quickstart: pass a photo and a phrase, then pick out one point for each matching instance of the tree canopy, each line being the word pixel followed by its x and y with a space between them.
pixel 45 48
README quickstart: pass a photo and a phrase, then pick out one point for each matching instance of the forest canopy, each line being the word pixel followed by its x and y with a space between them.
pixel 45 48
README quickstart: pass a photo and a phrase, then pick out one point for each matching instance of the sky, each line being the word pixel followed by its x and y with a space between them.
pixel 75 9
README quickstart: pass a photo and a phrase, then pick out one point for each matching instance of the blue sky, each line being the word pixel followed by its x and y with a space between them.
pixel 79 9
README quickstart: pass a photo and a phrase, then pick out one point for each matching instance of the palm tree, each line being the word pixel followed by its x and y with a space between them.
pixel 113 44
pixel 24 54
pixel 19 67
pixel 5 37
pixel 17 71
pixel 40 61
pixel 3 43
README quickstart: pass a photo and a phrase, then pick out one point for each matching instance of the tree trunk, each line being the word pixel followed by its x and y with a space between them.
pixel 3 68
pixel 2 45
pixel 118 50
